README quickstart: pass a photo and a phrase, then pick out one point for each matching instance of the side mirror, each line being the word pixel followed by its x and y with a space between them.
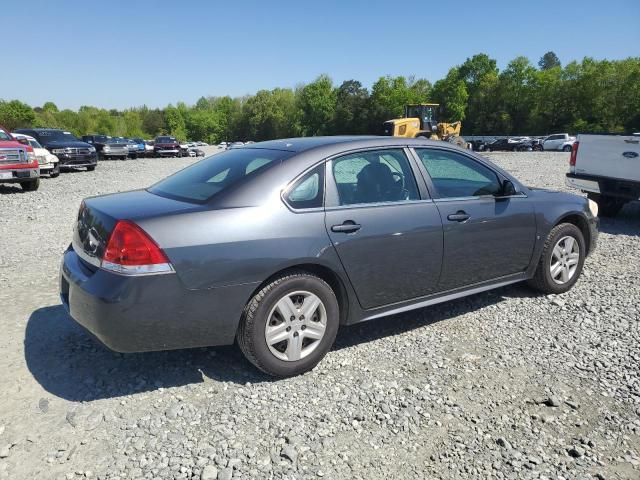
pixel 508 189
pixel 23 141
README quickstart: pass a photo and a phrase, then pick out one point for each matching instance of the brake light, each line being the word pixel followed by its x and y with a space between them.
pixel 131 251
pixel 574 155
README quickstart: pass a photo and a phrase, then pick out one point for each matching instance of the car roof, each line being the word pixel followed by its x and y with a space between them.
pixel 303 144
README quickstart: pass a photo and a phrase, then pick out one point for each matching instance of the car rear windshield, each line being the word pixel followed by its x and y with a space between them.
pixel 201 181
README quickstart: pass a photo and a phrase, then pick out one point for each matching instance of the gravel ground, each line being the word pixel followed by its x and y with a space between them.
pixel 504 384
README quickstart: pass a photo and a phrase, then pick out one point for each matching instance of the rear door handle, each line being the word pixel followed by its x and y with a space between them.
pixel 348 226
pixel 459 216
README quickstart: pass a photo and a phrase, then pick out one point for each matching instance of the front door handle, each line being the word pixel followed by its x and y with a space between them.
pixel 348 226
pixel 459 216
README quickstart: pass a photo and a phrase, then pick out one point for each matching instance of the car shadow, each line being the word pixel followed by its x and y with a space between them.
pixel 68 363
pixel 627 222
pixel 11 188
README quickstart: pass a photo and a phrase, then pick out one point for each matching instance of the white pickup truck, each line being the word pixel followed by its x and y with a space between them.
pixel 558 141
pixel 607 167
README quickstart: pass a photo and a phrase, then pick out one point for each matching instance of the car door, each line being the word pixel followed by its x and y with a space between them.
pixel 385 229
pixel 486 236
pixel 553 142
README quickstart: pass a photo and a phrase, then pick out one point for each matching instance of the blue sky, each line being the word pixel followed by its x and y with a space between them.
pixel 120 54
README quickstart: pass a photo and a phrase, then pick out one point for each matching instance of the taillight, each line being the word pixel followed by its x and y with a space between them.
pixel 574 155
pixel 130 251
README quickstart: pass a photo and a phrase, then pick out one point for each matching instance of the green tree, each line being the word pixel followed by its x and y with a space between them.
pixel 15 114
pixel 351 113
pixel 451 94
pixel 175 122
pixel 549 60
pixel 317 103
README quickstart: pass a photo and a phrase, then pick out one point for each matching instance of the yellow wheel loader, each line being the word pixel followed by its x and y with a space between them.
pixel 421 121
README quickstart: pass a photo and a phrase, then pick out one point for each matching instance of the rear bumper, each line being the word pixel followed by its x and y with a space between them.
pixel 152 312
pixel 611 187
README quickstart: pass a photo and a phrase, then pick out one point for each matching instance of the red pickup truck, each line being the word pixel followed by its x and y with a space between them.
pixel 18 163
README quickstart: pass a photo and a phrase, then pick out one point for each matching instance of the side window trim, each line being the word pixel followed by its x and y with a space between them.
pixel 332 199
pixel 427 178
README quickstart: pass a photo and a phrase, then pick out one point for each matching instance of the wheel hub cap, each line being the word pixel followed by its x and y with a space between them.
pixel 296 326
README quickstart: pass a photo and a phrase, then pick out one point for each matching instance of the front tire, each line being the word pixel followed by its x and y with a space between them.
pixel 289 325
pixel 561 261
pixel 55 172
pixel 31 185
pixel 91 168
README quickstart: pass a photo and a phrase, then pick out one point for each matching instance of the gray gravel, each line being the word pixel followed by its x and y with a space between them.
pixel 504 384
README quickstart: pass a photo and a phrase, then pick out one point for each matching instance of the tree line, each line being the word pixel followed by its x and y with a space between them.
pixel 591 95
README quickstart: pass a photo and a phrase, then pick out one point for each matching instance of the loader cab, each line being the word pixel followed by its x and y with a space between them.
pixel 426 112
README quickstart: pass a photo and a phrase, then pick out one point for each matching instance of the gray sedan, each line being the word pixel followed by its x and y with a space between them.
pixel 278 243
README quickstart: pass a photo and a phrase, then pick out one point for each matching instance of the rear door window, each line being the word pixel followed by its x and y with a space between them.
pixel 374 176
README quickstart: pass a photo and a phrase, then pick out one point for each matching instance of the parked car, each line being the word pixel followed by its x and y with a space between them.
pixel 97 141
pixel 278 243
pixel 148 148
pixel 116 148
pixel 559 141
pixel 235 145
pixel 71 152
pixel 223 145
pixel 480 144
pixel 607 168
pixel 166 146
pixel 198 152
pixel 18 162
pixel 514 144
pixel 47 161
pixel 141 147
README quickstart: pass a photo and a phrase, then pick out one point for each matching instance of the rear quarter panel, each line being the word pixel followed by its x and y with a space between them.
pixel 235 246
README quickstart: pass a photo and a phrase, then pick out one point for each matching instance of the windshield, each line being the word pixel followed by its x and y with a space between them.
pixel 34 144
pixel 46 136
pixel 201 181
pixel 166 140
pixel 116 140
pixel 4 135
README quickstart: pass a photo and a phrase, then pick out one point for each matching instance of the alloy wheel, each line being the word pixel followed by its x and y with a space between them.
pixel 565 258
pixel 296 326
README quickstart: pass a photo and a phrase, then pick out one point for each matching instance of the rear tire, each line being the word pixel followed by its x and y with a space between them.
pixel 297 352
pixel 31 185
pixel 566 148
pixel 607 206
pixel 557 259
